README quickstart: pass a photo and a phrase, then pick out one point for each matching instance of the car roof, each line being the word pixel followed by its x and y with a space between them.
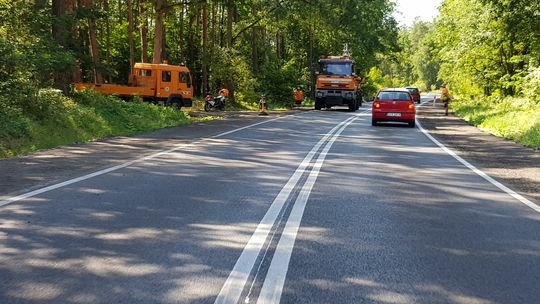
pixel 394 90
pixel 411 87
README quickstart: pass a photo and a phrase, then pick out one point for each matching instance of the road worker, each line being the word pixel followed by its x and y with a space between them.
pixel 298 96
pixel 224 92
pixel 445 97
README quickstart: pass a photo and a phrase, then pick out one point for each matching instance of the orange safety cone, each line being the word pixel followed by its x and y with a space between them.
pixel 263 107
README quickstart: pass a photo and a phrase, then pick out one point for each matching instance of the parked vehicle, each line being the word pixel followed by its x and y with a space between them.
pixel 393 105
pixel 337 84
pixel 158 83
pixel 214 103
pixel 415 93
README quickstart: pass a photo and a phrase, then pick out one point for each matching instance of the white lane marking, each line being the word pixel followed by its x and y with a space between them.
pixel 509 191
pixel 275 278
pixel 126 164
pixel 232 289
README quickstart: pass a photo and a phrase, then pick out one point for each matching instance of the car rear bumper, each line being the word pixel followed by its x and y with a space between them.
pixel 383 116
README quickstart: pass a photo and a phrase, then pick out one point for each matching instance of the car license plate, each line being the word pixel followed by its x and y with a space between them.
pixel 393 114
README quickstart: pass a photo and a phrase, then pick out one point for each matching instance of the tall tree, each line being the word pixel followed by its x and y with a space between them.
pixel 88 5
pixel 130 34
pixel 159 32
pixel 205 52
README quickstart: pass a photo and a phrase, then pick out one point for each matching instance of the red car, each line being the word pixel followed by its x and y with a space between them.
pixel 415 93
pixel 393 105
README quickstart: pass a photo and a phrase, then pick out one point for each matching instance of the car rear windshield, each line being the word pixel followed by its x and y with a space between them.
pixel 413 90
pixel 394 96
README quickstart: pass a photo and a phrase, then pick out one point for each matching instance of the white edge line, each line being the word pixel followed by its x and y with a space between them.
pixel 504 188
pixel 234 285
pixel 277 272
pixel 124 165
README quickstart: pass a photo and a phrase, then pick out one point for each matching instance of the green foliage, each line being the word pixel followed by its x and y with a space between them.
pixel 48 118
pixel 278 84
pixel 511 117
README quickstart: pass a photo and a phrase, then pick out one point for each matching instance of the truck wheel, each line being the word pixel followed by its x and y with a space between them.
pixel 318 105
pixel 352 106
pixel 176 105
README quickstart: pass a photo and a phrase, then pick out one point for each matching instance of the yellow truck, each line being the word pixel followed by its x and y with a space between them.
pixel 170 85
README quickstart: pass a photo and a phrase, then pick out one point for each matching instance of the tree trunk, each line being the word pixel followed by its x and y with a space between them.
pixel 230 19
pixel 108 36
pixel 204 84
pixel 191 47
pixel 144 32
pixel 158 31
pixel 130 36
pixel 222 26
pixel 92 42
pixel 181 34
pixel 94 52
pixel 254 49
pixel 62 30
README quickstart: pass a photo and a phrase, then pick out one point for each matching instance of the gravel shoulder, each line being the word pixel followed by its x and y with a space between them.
pixel 513 164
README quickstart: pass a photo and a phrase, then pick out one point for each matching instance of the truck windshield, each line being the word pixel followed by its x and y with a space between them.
pixel 340 69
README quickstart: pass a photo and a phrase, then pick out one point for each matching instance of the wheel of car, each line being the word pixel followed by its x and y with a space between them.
pixel 412 124
pixel 373 122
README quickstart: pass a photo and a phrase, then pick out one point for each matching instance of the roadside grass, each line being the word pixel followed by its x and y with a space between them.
pixel 49 119
pixel 513 118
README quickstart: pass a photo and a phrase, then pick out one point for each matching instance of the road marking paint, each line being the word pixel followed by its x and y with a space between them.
pixel 234 285
pixel 277 272
pixel 127 164
pixel 488 178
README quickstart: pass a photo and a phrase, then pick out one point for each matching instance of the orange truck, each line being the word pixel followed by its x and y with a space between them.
pixel 337 84
pixel 166 84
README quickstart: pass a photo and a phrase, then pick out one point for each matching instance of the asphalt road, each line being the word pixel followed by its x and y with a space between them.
pixel 318 207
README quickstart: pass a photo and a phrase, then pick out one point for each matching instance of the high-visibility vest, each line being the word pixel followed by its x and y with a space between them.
pixel 445 94
pixel 298 95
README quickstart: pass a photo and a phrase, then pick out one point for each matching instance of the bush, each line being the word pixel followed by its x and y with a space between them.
pixel 513 118
pixel 279 84
pixel 48 118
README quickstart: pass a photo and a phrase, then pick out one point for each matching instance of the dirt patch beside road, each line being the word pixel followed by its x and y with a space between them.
pixel 514 165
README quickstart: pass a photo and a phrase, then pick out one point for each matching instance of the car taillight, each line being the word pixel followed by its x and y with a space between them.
pixel 377 105
pixel 411 106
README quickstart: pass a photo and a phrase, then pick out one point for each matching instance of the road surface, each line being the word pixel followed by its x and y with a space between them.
pixel 318 207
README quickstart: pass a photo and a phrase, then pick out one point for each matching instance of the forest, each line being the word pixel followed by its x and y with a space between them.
pixel 249 46
pixel 487 51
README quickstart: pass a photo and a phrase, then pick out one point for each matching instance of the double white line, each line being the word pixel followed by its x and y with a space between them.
pixel 275 278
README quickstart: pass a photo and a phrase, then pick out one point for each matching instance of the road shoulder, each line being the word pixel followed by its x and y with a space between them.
pixel 47 167
pixel 514 165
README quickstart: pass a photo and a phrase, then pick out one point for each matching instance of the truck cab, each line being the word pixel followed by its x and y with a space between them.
pixel 337 84
pixel 166 84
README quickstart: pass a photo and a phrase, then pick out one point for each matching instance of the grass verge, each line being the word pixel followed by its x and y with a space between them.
pixel 513 118
pixel 47 119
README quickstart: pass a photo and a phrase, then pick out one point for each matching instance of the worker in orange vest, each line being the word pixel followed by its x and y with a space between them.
pixel 224 92
pixel 298 96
